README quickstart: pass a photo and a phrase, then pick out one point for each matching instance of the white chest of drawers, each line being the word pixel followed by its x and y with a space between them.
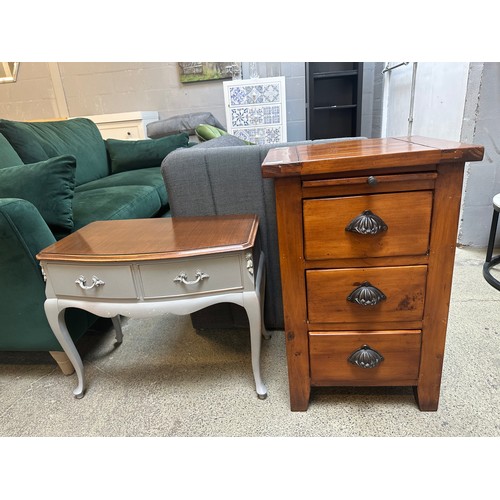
pixel 124 126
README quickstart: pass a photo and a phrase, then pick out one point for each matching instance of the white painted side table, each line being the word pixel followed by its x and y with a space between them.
pixel 146 267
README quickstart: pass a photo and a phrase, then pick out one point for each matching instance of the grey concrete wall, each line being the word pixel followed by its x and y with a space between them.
pixel 95 88
pixel 100 88
pixel 372 103
pixel 482 179
pixel 31 96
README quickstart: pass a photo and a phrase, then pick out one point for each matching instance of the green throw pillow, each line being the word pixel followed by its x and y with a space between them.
pixel 8 155
pixel 48 185
pixel 145 153
pixel 206 132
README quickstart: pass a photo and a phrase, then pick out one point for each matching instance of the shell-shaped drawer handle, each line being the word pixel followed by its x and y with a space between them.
pixel 183 278
pixel 366 295
pixel 96 283
pixel 367 223
pixel 365 357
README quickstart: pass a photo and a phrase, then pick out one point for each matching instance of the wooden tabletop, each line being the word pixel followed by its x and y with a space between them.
pixel 365 154
pixel 154 239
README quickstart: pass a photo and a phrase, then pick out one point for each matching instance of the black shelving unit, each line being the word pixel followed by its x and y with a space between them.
pixel 334 91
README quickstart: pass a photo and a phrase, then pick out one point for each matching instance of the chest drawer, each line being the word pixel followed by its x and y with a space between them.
pixel 366 294
pixel 92 281
pixel 192 276
pixel 394 357
pixel 378 225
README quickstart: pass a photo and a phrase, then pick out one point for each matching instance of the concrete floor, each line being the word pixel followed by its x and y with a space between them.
pixel 167 380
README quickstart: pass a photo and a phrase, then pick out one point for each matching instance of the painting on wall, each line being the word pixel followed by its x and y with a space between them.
pixel 8 72
pixel 206 71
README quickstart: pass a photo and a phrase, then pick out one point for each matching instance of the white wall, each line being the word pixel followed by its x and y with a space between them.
pixel 439 99
pixel 459 102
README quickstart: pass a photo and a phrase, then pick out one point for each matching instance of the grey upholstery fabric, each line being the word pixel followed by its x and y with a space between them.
pixel 228 180
pixel 221 142
pixel 181 123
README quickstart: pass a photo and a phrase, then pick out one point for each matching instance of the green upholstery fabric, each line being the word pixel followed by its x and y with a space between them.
pixel 23 234
pixel 8 155
pixel 142 177
pixel 133 155
pixel 111 203
pixel 48 185
pixel 206 132
pixel 65 185
pixel 79 137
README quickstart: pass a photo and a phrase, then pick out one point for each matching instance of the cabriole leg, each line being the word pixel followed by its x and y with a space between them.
pixel 56 321
pixel 253 308
pixel 117 325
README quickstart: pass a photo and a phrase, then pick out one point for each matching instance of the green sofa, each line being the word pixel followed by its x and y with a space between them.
pixel 56 177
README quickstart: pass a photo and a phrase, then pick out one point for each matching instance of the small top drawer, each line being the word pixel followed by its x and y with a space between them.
pixel 193 276
pixel 378 225
pixel 91 281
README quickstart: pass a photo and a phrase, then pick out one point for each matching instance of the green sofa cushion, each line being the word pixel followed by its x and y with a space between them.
pixel 79 137
pixel 8 155
pixel 132 155
pixel 143 177
pixel 113 203
pixel 49 185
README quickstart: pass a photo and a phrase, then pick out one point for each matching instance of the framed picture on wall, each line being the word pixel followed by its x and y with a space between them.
pixel 8 72
pixel 205 71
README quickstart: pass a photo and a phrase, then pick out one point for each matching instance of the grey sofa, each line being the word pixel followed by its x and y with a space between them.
pixel 223 176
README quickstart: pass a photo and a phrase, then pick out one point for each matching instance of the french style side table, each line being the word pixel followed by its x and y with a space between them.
pixel 367 232
pixel 146 267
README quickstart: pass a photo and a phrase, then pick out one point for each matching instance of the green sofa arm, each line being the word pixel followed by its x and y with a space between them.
pixel 23 233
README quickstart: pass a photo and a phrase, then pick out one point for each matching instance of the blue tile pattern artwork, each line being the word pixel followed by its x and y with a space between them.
pixel 256 115
pixel 260 135
pixel 256 110
pixel 254 94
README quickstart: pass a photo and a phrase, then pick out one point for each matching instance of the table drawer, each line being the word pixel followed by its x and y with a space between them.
pixel 216 274
pixel 361 295
pixel 382 357
pixel 111 282
pixel 377 225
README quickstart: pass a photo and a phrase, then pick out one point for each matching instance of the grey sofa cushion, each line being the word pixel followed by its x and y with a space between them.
pixel 221 142
pixel 181 123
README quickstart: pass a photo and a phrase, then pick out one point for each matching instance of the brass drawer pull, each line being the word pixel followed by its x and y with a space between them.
pixel 365 357
pixel 366 295
pixel 367 223
pixel 96 282
pixel 182 278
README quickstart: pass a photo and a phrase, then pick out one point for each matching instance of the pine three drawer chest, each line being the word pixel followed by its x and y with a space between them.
pixel 367 231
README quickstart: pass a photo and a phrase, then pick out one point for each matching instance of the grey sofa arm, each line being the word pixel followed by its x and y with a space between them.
pixel 228 180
